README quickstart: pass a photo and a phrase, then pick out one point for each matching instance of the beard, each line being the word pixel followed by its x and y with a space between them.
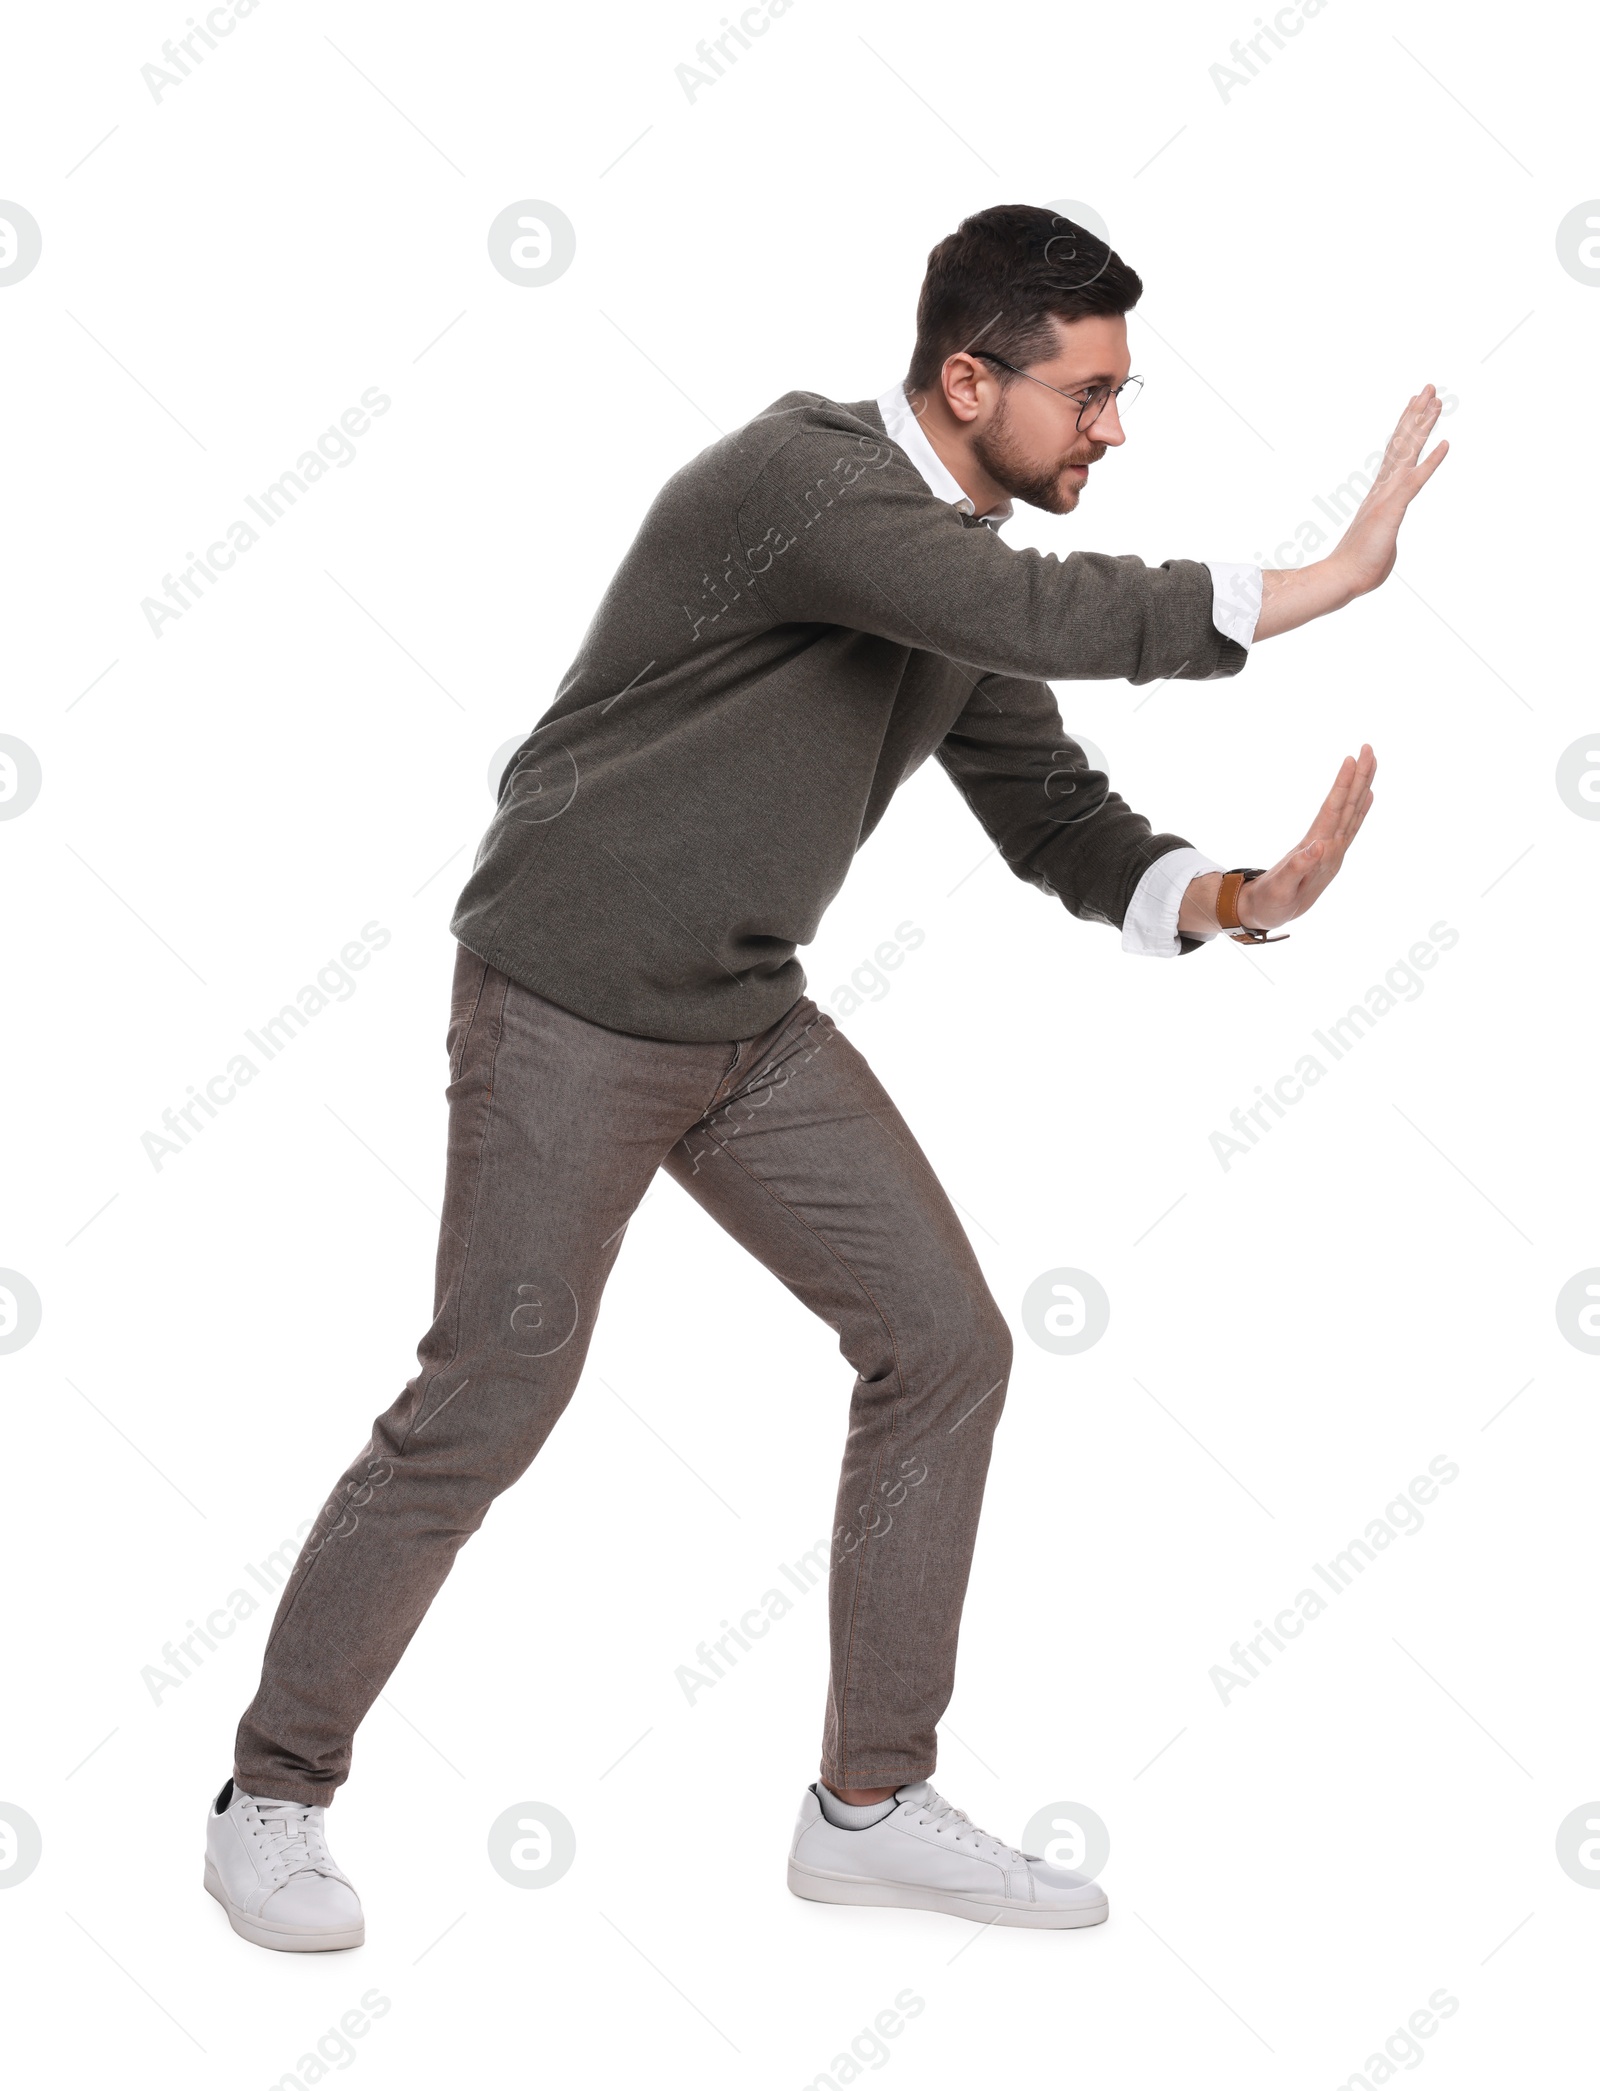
pixel 1022 476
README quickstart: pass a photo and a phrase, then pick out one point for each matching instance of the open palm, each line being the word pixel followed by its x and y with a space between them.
pixel 1367 548
pixel 1295 881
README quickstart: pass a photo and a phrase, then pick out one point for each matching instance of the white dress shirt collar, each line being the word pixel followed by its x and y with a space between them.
pixel 902 426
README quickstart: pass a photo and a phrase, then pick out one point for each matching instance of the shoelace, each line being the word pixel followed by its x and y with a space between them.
pixel 937 1810
pixel 293 1839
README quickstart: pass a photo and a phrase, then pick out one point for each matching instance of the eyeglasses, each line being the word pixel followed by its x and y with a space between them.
pixel 1090 400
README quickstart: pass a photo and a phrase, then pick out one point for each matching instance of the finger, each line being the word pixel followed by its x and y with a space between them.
pixel 1354 811
pixel 1328 814
pixel 1423 423
pixel 1430 464
pixel 1355 814
pixel 1394 449
pixel 1352 783
pixel 1311 856
pixel 1407 415
pixel 1337 849
pixel 1355 775
pixel 1277 896
pixel 1303 863
pixel 1319 864
pixel 1419 417
pixel 1354 828
pixel 1299 879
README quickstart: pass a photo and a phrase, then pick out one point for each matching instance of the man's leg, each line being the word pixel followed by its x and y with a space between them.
pixel 811 1167
pixel 556 1129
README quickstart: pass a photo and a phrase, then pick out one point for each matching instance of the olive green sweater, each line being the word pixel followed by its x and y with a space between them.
pixel 797 626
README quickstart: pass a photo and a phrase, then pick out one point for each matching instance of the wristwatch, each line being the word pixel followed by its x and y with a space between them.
pixel 1228 909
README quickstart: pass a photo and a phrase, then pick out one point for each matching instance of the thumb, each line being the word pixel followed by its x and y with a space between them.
pixel 1299 861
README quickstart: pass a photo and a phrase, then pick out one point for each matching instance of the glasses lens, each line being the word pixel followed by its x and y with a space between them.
pixel 1093 407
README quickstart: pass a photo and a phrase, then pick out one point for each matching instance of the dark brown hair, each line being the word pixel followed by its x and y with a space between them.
pixel 1000 278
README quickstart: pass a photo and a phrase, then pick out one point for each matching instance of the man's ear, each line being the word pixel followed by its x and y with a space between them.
pixel 960 380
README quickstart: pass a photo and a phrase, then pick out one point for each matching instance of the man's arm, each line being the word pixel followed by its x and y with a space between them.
pixel 1058 824
pixel 1364 557
pixel 1055 821
pixel 840 529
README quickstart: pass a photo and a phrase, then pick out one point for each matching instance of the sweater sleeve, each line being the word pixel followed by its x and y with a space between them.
pixel 1054 820
pixel 839 528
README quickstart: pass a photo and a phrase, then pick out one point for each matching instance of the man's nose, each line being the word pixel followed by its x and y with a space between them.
pixel 1107 425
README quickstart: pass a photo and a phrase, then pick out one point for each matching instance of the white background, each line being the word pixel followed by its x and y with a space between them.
pixel 1292 1339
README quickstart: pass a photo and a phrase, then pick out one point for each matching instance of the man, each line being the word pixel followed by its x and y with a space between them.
pixel 811 608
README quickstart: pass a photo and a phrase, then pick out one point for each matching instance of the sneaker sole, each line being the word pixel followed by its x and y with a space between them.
pixel 278 1938
pixel 884 1894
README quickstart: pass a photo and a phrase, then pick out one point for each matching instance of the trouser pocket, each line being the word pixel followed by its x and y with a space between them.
pixel 466 992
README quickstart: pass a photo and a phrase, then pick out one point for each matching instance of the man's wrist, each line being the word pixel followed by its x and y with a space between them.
pixel 1197 911
pixel 1343 579
pixel 1292 596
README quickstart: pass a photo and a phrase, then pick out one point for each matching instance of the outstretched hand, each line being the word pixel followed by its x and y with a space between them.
pixel 1367 548
pixel 1295 881
pixel 1364 557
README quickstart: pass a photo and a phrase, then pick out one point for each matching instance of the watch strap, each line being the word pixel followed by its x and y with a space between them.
pixel 1228 908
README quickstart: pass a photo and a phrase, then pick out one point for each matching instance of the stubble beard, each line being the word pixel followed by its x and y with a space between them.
pixel 1040 486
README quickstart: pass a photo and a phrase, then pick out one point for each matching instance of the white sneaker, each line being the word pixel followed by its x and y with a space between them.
pixel 928 1855
pixel 268 1865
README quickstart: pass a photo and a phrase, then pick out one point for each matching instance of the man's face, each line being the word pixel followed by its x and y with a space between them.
pixel 1031 445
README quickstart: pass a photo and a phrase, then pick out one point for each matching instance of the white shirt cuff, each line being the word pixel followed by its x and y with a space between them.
pixel 1150 928
pixel 1235 600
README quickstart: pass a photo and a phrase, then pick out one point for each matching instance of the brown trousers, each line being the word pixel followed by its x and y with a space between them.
pixel 557 1127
